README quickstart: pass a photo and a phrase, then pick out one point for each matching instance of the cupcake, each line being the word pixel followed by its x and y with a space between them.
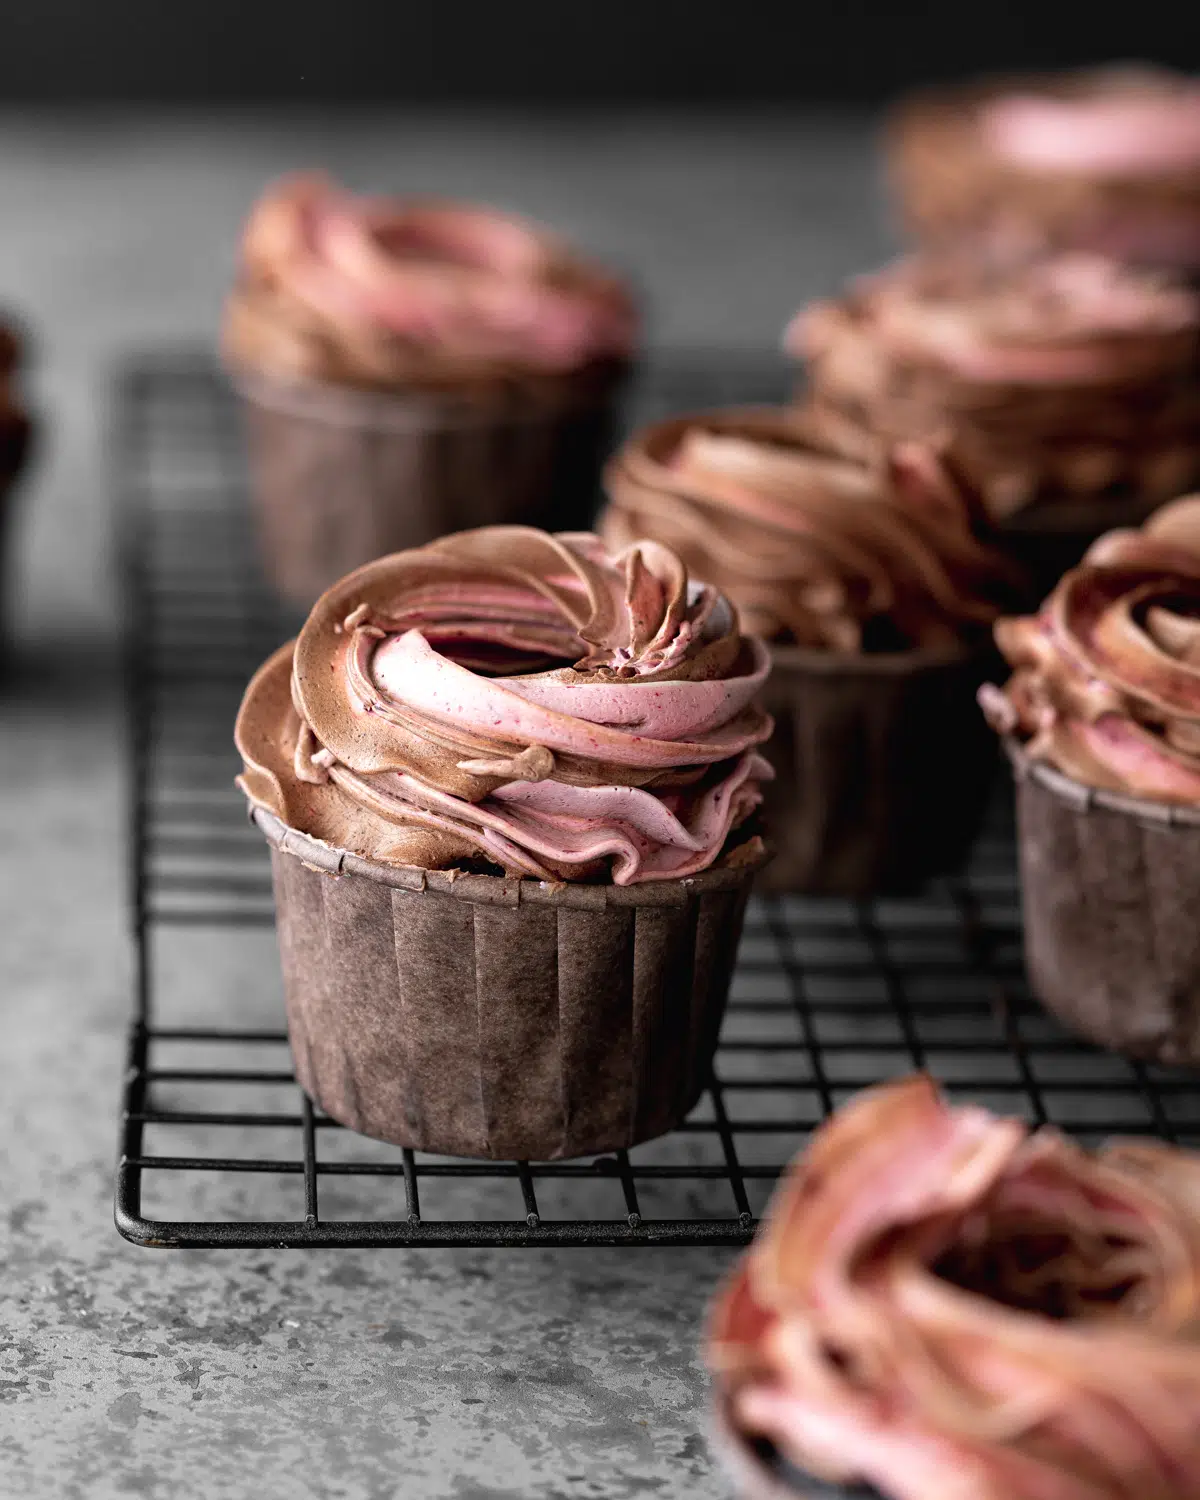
pixel 1067 388
pixel 411 368
pixel 1106 160
pixel 15 432
pixel 876 595
pixel 509 781
pixel 943 1305
pixel 1101 718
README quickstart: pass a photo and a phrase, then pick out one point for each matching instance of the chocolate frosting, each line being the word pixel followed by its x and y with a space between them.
pixel 1105 160
pixel 815 549
pixel 1106 679
pixel 383 292
pixel 1066 375
pixel 510 698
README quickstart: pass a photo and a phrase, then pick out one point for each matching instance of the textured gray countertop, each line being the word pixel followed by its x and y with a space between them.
pixel 472 1374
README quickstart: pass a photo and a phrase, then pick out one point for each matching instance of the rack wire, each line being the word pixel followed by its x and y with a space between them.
pixel 219 1146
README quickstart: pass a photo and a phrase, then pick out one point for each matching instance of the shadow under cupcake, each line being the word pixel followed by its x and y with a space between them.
pixel 16 433
pixel 411 368
pixel 1101 719
pixel 510 784
pixel 1066 389
pixel 876 594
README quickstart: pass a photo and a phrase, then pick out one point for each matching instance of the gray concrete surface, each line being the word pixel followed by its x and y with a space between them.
pixel 472 1375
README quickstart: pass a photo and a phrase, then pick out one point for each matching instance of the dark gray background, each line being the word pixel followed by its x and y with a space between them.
pixel 531 51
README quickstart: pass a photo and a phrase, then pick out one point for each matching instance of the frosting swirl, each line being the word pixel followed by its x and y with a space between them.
pixel 946 1306
pixel 518 699
pixel 1104 160
pixel 815 549
pixel 1106 677
pixel 1065 374
pixel 379 291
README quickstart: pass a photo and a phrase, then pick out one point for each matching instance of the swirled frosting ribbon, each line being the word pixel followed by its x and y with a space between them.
pixel 814 549
pixel 1102 159
pixel 379 290
pixel 948 1307
pixel 516 699
pixel 1106 676
pixel 1067 374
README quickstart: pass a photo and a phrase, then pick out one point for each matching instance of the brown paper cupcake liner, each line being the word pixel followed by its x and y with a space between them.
pixel 16 434
pixel 485 1016
pixel 1110 887
pixel 341 476
pixel 883 768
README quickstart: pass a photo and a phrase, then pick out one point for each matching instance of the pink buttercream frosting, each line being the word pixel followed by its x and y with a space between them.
pixel 524 700
pixel 1122 133
pixel 379 288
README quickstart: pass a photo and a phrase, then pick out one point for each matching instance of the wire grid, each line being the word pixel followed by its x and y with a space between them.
pixel 219 1146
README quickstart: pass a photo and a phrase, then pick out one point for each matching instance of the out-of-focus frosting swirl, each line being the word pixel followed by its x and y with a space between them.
pixel 380 291
pixel 1067 374
pixel 515 698
pixel 1106 677
pixel 950 1308
pixel 1105 160
pixel 813 548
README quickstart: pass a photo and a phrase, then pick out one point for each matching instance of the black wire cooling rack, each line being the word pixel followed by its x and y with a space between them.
pixel 219 1147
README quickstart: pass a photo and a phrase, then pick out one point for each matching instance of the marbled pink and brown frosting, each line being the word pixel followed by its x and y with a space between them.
pixel 814 548
pixel 1106 677
pixel 946 1305
pixel 508 698
pixel 1066 376
pixel 395 292
pixel 1104 160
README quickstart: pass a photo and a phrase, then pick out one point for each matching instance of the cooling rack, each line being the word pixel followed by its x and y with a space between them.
pixel 218 1145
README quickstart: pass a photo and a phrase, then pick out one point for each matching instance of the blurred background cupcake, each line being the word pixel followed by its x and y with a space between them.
pixel 942 1302
pixel 1065 388
pixel 1105 159
pixel 414 367
pixel 869 580
pixel 1102 722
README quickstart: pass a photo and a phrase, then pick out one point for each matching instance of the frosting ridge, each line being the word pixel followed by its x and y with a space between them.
pixel 377 290
pixel 1106 677
pixel 814 548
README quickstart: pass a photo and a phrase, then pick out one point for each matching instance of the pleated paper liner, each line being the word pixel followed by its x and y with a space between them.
pixel 494 1017
pixel 340 476
pixel 760 1472
pixel 1111 893
pixel 883 767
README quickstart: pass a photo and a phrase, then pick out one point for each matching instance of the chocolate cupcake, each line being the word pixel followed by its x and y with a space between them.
pixel 1102 721
pixel 1106 160
pixel 1067 389
pixel 876 594
pixel 942 1303
pixel 411 368
pixel 15 432
pixel 509 782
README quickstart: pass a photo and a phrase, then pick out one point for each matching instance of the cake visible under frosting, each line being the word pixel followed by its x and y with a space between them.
pixel 515 699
